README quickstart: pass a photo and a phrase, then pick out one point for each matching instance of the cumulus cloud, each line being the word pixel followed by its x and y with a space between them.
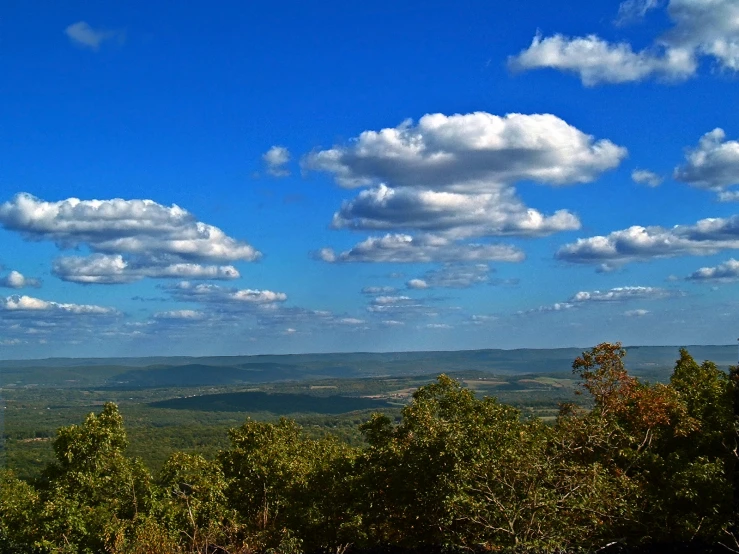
pixel 402 248
pixel 16 280
pixel 469 153
pixel 455 214
pixel 646 177
pixel 417 284
pixel 26 304
pixel 725 272
pixel 275 159
pixel 707 236
pixel 712 165
pixel 636 313
pixel 453 177
pixel 622 294
pixel 598 61
pixel 129 239
pixel 114 269
pixel 700 29
pixel 82 34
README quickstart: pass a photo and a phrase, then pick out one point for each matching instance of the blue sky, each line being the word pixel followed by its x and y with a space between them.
pixel 237 178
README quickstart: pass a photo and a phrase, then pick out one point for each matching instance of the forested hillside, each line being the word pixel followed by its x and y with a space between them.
pixel 632 462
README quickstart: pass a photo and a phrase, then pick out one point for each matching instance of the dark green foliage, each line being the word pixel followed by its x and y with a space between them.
pixel 263 402
pixel 640 463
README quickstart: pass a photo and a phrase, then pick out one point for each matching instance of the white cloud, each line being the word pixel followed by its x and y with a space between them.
pixel 82 34
pixel 632 10
pixel 458 276
pixel 24 303
pixel 712 165
pixel 707 236
pixel 180 315
pixel 276 158
pixel 225 297
pixel 556 307
pixel 392 323
pixel 646 177
pixel 350 321
pixel 114 269
pixel 478 319
pixel 469 153
pixel 379 290
pixel 598 61
pixel 701 28
pixel 454 176
pixel 438 326
pixel 636 313
pixel 454 214
pixel 16 280
pixel 417 284
pixel 400 248
pixel 622 294
pixel 130 239
pixel 725 272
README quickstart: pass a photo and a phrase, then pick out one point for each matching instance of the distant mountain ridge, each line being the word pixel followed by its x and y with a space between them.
pixel 160 371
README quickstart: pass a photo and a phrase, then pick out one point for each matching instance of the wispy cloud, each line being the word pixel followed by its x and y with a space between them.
pixel 82 34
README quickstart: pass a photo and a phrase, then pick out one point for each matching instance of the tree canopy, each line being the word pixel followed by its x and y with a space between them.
pixel 637 463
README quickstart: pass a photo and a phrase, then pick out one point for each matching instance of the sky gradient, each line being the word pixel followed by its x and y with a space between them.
pixel 243 178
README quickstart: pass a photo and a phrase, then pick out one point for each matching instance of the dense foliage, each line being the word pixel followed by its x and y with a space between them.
pixel 643 463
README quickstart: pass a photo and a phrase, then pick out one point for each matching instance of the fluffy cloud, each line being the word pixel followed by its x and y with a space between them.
pixel 26 319
pixel 701 28
pixel 712 165
pixel 453 177
pixel 454 214
pixel 722 273
pixel 16 280
pixel 636 313
pixel 130 239
pixel 28 304
pixel 622 294
pixel 598 61
pixel 646 177
pixel 114 269
pixel 418 284
pixel 637 243
pixel 276 158
pixel 470 153
pixel 82 34
pixel 423 248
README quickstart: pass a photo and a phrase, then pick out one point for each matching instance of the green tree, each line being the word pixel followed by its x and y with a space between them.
pixel 92 493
